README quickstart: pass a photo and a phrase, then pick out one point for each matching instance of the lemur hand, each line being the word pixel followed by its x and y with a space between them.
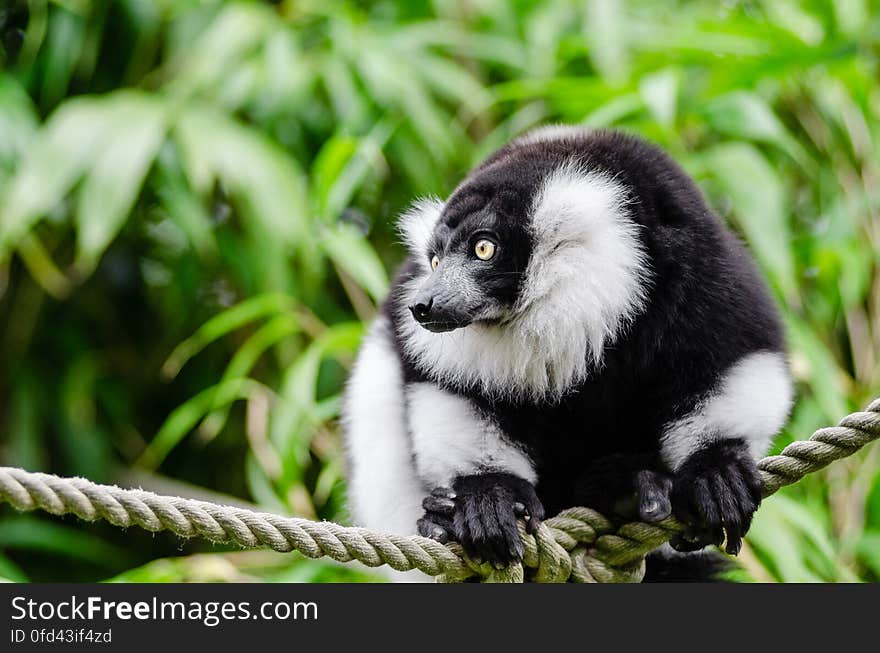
pixel 717 489
pixel 480 512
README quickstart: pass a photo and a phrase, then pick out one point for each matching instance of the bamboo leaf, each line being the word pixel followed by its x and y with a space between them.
pixel 133 136
pixel 275 330
pixel 745 115
pixel 328 166
pixel 223 323
pixel 185 417
pixel 18 121
pixel 299 405
pixel 237 30
pixel 34 534
pixel 606 27
pixel 267 184
pixel 56 159
pixel 351 252
pixel 660 94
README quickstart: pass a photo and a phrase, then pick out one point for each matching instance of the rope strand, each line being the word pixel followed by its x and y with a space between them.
pixel 577 544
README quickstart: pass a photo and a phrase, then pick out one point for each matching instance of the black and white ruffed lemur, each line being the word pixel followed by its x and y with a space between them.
pixel 573 326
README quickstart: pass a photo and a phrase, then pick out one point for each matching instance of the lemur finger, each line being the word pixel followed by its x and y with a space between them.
pixel 684 545
pixel 730 512
pixel 734 528
pixel 683 507
pixel 485 539
pixel 463 535
pixel 440 505
pixel 705 504
pixel 683 503
pixel 532 517
pixel 534 509
pixel 474 525
pixel 743 489
pixel 688 541
pixel 698 509
pixel 734 541
pixel 513 541
pixel 745 502
pixel 444 493
pixel 434 529
pixel 752 479
pixel 520 510
pixel 695 538
pixel 504 535
pixel 725 499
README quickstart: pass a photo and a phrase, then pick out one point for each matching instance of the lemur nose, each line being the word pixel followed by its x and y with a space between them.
pixel 421 310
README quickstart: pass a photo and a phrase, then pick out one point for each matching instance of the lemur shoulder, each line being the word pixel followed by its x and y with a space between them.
pixel 572 326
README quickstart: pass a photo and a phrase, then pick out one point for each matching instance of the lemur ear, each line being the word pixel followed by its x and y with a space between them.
pixel 417 224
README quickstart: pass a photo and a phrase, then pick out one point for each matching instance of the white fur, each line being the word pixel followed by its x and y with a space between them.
pixel 551 133
pixel 417 224
pixel 587 277
pixel 450 438
pixel 384 492
pixel 752 401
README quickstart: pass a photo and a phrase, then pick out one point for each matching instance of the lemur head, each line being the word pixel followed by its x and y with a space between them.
pixel 478 251
pixel 526 272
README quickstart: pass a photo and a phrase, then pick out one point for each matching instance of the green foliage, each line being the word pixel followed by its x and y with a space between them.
pixel 196 219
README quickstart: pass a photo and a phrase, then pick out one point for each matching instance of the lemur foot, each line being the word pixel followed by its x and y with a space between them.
pixel 627 487
pixel 480 512
pixel 654 492
pixel 716 490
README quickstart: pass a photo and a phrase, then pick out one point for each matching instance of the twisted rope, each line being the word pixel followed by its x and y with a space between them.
pixel 577 544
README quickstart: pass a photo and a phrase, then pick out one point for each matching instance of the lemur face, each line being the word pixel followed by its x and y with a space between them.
pixel 521 278
pixel 477 253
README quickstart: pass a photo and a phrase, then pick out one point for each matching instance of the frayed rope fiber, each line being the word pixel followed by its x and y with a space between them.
pixel 577 545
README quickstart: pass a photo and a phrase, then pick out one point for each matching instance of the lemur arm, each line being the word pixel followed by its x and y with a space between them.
pixel 712 451
pixel 482 481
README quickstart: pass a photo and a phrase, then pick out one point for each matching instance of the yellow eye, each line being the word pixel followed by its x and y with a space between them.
pixel 484 249
pixel 435 262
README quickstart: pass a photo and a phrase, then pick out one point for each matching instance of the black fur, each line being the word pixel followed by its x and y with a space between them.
pixel 719 489
pixel 695 568
pixel 480 512
pixel 707 308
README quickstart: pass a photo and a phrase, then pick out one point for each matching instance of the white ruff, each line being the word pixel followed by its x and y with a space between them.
pixel 417 224
pixel 587 277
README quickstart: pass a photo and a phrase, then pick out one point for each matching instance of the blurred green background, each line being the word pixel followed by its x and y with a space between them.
pixel 196 221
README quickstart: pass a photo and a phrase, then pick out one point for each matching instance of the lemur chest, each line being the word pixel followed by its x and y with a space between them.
pixel 581 429
pixel 453 434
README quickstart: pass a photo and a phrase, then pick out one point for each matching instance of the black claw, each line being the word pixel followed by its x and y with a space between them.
pixel 716 493
pixel 734 546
